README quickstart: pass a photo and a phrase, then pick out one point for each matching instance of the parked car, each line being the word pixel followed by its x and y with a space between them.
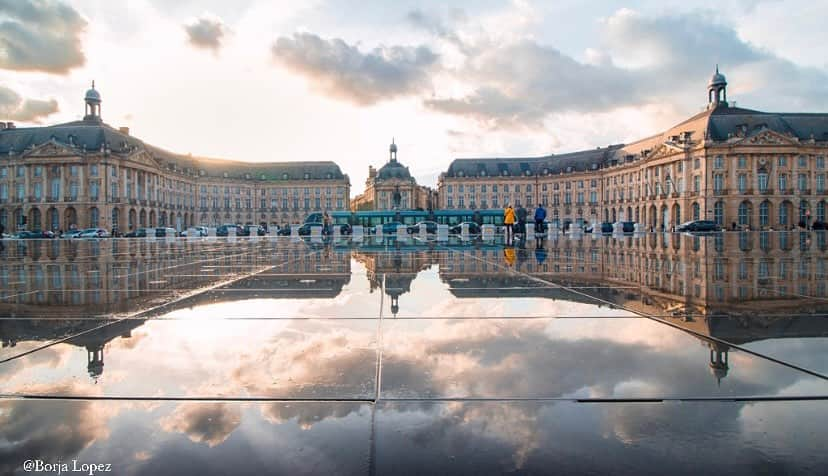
pixel 627 226
pixel 819 225
pixel 698 225
pixel 474 228
pixel 283 231
pixel 248 230
pixel 139 233
pixel 166 233
pixel 429 226
pixel 71 233
pixel 199 231
pixel 93 233
pixel 390 228
pixel 224 230
pixel 305 229
pixel 35 235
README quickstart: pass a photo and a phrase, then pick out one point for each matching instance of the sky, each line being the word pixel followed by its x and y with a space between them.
pixel 264 80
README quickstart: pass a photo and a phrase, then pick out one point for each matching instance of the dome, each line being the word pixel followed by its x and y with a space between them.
pixel 717 78
pixel 393 147
pixel 92 95
pixel 393 170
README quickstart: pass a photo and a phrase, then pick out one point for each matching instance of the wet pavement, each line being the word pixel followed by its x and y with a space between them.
pixel 578 354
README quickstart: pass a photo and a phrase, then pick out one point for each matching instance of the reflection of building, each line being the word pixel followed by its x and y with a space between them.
pixel 396 271
pixel 88 174
pixel 393 188
pixel 727 164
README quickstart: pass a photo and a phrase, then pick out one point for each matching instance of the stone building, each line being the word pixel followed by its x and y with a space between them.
pixel 89 174
pixel 393 188
pixel 755 169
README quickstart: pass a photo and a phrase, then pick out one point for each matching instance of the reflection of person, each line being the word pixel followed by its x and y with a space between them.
pixel 509 255
pixel 509 222
pixel 326 221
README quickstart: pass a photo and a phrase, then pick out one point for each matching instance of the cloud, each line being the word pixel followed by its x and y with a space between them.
pixel 40 35
pixel 206 32
pixel 14 107
pixel 643 60
pixel 341 70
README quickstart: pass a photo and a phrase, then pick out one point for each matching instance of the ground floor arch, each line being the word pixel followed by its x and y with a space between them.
pixel 70 218
pixel 35 219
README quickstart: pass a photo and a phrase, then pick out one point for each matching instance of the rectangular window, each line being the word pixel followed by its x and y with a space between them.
pixel 783 183
pixel 696 163
pixel 450 188
pixel 762 181
pixel 802 181
pixel 38 190
pixel 4 172
pixel 38 171
pixel 718 182
pixel 803 161
pixel 93 170
pixel 21 191
pixel 742 180
pixel 782 161
pixel 742 162
pixel 820 162
pixel 696 183
pixel 820 183
pixel 718 162
pixel 93 191
pixel 4 191
pixel 73 170
pixel 21 171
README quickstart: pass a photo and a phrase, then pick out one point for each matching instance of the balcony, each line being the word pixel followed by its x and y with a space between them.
pixel 34 199
pixel 52 199
pixel 674 195
pixel 720 192
pixel 114 199
pixel 766 191
pixel 69 198
pixel 133 201
pixel 17 200
pixel 805 191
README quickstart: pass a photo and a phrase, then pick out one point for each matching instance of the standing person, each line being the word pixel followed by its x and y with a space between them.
pixel 2 229
pixel 521 218
pixel 509 222
pixel 540 216
pixel 326 221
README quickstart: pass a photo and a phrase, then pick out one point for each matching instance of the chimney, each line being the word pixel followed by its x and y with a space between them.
pixel 124 130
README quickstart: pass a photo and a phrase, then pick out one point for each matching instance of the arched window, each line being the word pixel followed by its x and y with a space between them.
pixel 764 213
pixel 744 213
pixel 718 213
pixel 93 217
pixel 783 213
pixel 803 211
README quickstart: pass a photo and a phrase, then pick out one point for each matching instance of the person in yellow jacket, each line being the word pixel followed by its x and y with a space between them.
pixel 509 222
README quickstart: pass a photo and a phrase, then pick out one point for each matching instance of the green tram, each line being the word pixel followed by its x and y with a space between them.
pixel 372 219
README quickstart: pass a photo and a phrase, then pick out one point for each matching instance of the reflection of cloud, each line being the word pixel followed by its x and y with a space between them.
pixel 209 423
pixel 40 36
pixel 49 430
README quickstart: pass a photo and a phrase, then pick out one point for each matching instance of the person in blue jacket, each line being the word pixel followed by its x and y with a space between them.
pixel 540 216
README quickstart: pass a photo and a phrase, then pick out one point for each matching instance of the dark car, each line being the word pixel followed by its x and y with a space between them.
pixel 819 225
pixel 305 230
pixel 283 231
pixel 429 226
pixel 35 235
pixel 139 233
pixel 224 230
pixel 627 226
pixel 166 233
pixel 474 228
pixel 249 230
pixel 698 225
pixel 390 228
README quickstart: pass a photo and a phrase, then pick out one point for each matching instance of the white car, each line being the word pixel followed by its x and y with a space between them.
pixel 93 233
pixel 199 231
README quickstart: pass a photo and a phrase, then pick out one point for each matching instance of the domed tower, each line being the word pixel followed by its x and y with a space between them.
pixel 95 360
pixel 718 361
pixel 93 104
pixel 717 90
pixel 392 150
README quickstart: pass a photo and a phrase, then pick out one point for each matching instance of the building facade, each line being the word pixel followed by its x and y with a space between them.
pixel 751 169
pixel 393 188
pixel 88 174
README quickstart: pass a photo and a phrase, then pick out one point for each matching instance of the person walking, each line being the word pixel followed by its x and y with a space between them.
pixel 540 216
pixel 509 222
pixel 521 218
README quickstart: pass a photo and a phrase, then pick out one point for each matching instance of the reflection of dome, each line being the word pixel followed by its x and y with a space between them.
pixel 393 170
pixel 718 371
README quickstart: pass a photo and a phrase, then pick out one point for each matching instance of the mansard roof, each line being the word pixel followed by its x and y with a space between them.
pixel 93 135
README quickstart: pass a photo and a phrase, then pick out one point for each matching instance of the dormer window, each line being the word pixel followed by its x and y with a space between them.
pixel 329 175
pixel 505 173
pixel 247 176
pixel 262 176
pixel 569 169
pixel 307 176
pixel 482 173
pixel 461 174
pixel 202 173
pixel 546 171
pixel 528 173
pixel 224 174
pixel 284 176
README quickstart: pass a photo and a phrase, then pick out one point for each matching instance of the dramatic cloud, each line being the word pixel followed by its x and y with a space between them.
pixel 342 70
pixel 642 60
pixel 40 35
pixel 209 423
pixel 206 32
pixel 14 107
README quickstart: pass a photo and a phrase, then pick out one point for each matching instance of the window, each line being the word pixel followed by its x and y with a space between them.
pixel 38 190
pixel 718 182
pixel 696 163
pixel 4 172
pixel 803 211
pixel 742 180
pixel 696 211
pixel 449 187
pixel 783 214
pixel 93 191
pixel 764 214
pixel 802 182
pixel 820 211
pixel 696 183
pixel 93 170
pixel 783 183
pixel 73 170
pixel 73 190
pixel 718 162
pixel 21 191
pixel 762 179
pixel 820 162
pixel 21 171
pixel 782 161
pixel 803 161
pixel 38 171
pixel 744 213
pixel 742 162
pixel 820 183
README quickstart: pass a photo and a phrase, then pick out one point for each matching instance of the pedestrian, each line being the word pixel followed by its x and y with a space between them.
pixel 733 226
pixel 2 229
pixel 509 222
pixel 521 218
pixel 326 221
pixel 540 216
